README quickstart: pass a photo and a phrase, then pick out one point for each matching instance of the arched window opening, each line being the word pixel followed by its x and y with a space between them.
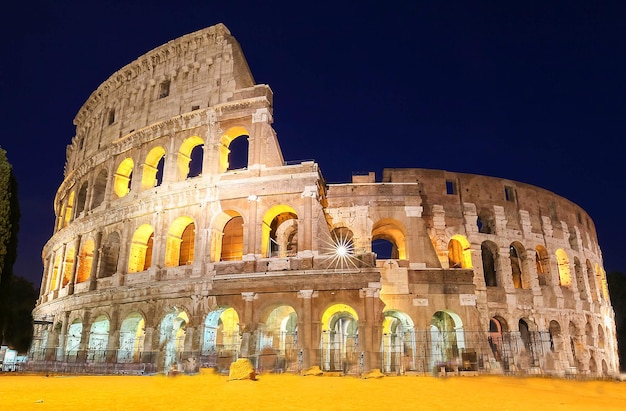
pixel 603 287
pixel 140 258
pixel 99 188
pixel 516 266
pixel 153 168
pixel 123 178
pixel 232 240
pixel 565 275
pixel 278 338
pixel 238 153
pixel 68 265
pixel 589 334
pixel 601 342
pixel 81 200
pixel 459 253
pixel 68 210
pixel 55 271
pixel 179 249
pixel 489 264
pixel 384 249
pixel 554 331
pixel 573 337
pixel 392 231
pixel 110 255
pixel 498 326
pixel 542 264
pixel 196 159
pixel 524 332
pixel 591 279
pixel 486 221
pixel 272 222
pixel 85 261
pixel 190 157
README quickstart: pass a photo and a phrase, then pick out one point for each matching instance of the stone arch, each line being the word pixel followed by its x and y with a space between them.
pixel 74 335
pixel 132 335
pixel 85 261
pixel 273 219
pixel 565 274
pixel 399 348
pixel 486 221
pixel 573 343
pixel 98 339
pixel 179 246
pixel 227 236
pixel 99 188
pixel 122 179
pixel 498 328
pixel 339 339
pixel 542 264
pixel 447 338
pixel 221 340
pixel 140 256
pixel 153 167
pixel 517 255
pixel 172 332
pixel 110 255
pixel 225 152
pixel 591 279
pixel 554 333
pixel 489 254
pixel 589 333
pixel 55 271
pixel 580 279
pixel 459 252
pixel 69 207
pixel 190 157
pixel 603 288
pixel 68 265
pixel 393 231
pixel 601 340
pixel 278 338
pixel 593 365
pixel 81 200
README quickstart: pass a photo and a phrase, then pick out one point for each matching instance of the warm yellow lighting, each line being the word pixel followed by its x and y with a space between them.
pixel 150 167
pixel 565 275
pixel 121 185
pixel 393 231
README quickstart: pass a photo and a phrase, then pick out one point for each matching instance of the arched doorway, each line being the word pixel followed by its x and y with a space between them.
pixel 98 339
pixel 398 343
pixel 132 333
pixel 278 339
pixel 339 340
pixel 447 339
pixel 72 344
pixel 220 344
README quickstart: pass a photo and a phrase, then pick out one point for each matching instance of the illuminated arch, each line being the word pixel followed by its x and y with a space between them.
pixel 85 261
pixel 542 264
pixel 179 247
pixel 232 238
pixel 187 166
pixel 272 220
pixel 399 347
pixel 68 265
pixel 81 200
pixel 459 253
pixel 225 140
pixel 603 286
pixel 153 168
pixel 516 259
pixel 123 177
pixel 279 333
pixel 132 333
pixel 392 231
pixel 55 271
pixel 339 342
pixel 140 258
pixel 74 335
pixel 68 210
pixel 447 337
pixel 221 332
pixel 565 275
pixel 98 339
pixel 172 336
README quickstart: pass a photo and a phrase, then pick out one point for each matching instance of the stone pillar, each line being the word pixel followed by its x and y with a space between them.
pixel 370 350
pixel 251 231
pixel 63 336
pixel 70 286
pixel 61 273
pixel 84 338
pixel 248 345
pixel 95 261
pixel 305 329
pixel 305 224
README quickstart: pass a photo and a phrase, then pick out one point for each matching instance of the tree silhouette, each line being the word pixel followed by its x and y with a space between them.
pixel 617 287
pixel 9 226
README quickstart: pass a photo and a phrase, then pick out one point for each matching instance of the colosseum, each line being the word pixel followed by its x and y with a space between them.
pixel 183 239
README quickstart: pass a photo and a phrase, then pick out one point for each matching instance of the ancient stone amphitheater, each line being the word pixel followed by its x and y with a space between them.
pixel 184 239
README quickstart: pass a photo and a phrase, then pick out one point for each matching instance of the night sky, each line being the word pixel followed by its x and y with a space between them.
pixel 531 91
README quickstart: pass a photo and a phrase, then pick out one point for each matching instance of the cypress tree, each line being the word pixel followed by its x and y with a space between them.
pixel 9 226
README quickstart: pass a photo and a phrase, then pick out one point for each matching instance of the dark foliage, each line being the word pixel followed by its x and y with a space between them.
pixel 617 291
pixel 19 323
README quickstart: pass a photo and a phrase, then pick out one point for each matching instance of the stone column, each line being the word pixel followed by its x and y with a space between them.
pixel 368 348
pixel 95 261
pixel 61 272
pixel 305 224
pixel 305 329
pixel 70 286
pixel 84 338
pixel 63 336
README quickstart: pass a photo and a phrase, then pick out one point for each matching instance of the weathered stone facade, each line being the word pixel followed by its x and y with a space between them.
pixel 167 254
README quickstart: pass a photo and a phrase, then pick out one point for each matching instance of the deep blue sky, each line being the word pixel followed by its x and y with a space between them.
pixel 530 91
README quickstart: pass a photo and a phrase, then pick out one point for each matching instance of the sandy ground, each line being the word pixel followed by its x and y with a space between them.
pixel 210 391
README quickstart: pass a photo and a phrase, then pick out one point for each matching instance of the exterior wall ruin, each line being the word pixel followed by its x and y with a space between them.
pixel 166 254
